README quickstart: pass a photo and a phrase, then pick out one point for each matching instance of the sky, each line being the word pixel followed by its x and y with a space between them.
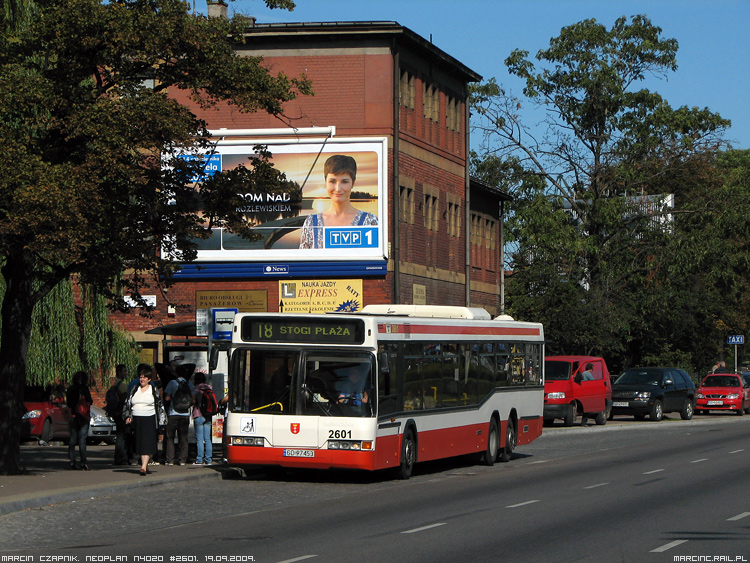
pixel 713 57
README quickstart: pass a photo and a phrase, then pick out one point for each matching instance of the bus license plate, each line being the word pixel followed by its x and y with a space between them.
pixel 715 402
pixel 299 453
pixel 619 404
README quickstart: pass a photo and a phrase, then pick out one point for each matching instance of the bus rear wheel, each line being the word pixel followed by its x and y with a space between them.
pixel 510 442
pixel 489 456
pixel 408 455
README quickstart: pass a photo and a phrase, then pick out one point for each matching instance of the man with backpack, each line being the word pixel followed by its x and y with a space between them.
pixel 179 394
pixel 204 409
pixel 115 400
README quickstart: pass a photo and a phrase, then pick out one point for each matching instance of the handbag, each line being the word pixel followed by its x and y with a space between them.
pixel 83 407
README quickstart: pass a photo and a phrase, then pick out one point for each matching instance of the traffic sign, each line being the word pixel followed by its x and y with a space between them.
pixel 737 339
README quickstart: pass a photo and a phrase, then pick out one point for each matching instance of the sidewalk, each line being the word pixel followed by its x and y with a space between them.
pixel 50 479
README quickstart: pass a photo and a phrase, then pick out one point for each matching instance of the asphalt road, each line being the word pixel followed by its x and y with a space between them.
pixel 629 492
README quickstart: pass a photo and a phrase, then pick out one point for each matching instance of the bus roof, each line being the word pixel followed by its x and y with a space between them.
pixel 427 311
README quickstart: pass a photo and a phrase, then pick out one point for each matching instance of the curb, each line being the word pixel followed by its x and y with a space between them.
pixel 80 493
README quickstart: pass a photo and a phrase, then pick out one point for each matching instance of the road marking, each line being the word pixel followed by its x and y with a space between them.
pixel 423 528
pixel 736 451
pixel 738 517
pixel 699 460
pixel 667 546
pixel 652 472
pixel 597 485
pixel 540 461
pixel 298 559
pixel 522 503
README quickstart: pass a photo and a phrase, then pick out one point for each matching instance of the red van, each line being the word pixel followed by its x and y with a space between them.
pixel 576 385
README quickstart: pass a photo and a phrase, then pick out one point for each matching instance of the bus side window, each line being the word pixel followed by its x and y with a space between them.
pixel 387 372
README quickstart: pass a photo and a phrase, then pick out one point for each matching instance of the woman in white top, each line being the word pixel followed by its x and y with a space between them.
pixel 144 411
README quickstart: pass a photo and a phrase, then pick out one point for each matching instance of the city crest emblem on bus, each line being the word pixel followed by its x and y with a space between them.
pixel 294 427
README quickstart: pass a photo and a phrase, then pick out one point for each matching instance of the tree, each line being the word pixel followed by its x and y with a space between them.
pixel 591 237
pixel 97 183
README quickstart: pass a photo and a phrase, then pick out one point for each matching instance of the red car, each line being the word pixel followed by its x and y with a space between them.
pixel 47 416
pixel 723 392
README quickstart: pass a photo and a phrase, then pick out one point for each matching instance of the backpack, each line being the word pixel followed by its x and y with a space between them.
pixel 182 399
pixel 209 405
pixel 113 406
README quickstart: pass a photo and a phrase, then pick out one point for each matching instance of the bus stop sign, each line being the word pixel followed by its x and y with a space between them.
pixel 223 322
pixel 737 340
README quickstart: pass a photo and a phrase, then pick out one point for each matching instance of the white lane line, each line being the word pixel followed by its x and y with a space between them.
pixel 738 517
pixel 652 472
pixel 699 460
pixel 597 485
pixel 522 503
pixel 667 546
pixel 737 451
pixel 298 559
pixel 423 528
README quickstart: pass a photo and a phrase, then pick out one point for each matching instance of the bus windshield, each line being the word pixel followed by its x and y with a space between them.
pixel 303 382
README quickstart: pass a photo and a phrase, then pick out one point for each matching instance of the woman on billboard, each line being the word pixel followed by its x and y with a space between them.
pixel 340 173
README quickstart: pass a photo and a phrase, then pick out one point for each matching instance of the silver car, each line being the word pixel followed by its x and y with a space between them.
pixel 101 427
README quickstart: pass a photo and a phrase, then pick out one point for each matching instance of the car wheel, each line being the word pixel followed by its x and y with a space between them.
pixel 687 410
pixel 657 411
pixel 601 418
pixel 489 456
pixel 47 431
pixel 408 455
pixel 741 411
pixel 570 416
pixel 506 452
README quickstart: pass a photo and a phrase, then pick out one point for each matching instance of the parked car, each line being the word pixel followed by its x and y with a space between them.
pixel 653 391
pixel 101 427
pixel 723 392
pixel 576 385
pixel 47 415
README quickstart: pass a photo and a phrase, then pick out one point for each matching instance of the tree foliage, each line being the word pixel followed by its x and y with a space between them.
pixel 602 254
pixel 97 183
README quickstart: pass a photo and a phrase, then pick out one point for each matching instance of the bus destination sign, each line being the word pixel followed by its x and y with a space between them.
pixel 304 331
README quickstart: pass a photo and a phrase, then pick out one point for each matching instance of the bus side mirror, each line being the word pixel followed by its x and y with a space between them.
pixel 383 360
pixel 213 359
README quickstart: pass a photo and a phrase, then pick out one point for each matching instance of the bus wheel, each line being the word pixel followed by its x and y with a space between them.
pixel 408 455
pixel 489 456
pixel 510 442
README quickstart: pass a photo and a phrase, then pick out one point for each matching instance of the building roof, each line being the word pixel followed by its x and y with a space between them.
pixel 342 31
pixel 476 183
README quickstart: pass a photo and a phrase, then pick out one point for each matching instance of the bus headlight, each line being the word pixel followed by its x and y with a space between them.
pixel 246 441
pixel 349 445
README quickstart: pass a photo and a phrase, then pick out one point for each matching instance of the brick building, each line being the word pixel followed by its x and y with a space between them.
pixel 440 231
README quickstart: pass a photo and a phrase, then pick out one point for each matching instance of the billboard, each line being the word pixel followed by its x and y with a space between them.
pixel 339 216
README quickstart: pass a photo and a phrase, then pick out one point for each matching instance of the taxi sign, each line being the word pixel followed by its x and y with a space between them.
pixel 737 339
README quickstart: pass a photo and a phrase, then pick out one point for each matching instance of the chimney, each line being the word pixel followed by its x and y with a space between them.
pixel 217 8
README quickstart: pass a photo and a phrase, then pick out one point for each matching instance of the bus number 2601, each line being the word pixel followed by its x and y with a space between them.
pixel 339 434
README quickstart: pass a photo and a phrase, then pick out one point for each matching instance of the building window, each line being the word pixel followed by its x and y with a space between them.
pixel 407 90
pixel 431 102
pixel 406 205
pixel 453 114
pixel 476 226
pixel 431 209
pixel 490 233
pixel 454 216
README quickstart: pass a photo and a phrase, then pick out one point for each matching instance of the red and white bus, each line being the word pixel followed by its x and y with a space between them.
pixel 384 388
